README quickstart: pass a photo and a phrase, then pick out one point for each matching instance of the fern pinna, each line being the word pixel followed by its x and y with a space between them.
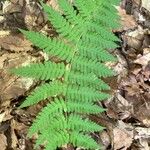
pixel 74 84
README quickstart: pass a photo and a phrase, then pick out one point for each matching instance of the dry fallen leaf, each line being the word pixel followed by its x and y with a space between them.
pixel 54 4
pixel 127 21
pixel 105 138
pixel 143 135
pixel 145 59
pixel 146 4
pixel 3 142
pixel 14 139
pixel 135 38
pixel 144 144
pixel 123 136
pixel 2 115
pixel 15 43
pixel 11 86
pixel 4 33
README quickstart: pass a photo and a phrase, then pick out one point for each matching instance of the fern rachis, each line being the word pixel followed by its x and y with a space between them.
pixel 74 84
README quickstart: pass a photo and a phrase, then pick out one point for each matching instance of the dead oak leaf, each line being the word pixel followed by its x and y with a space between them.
pixel 123 136
pixel 15 43
pixel 145 59
pixel 3 142
pixel 127 21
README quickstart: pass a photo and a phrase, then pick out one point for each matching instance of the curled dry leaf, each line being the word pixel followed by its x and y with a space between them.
pixel 144 144
pixel 137 92
pixel 53 3
pixel 12 8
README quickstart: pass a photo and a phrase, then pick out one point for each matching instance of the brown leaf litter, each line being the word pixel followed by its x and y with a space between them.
pixel 128 112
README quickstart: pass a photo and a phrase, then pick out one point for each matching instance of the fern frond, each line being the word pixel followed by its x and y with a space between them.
pixel 89 80
pixel 94 53
pixel 83 107
pixel 83 140
pixel 54 108
pixel 74 86
pixel 52 139
pixel 76 123
pixel 98 40
pixel 85 94
pixel 59 139
pixel 70 13
pixel 103 31
pixel 42 92
pixel 109 11
pixel 107 21
pixel 114 2
pixel 87 66
pixel 97 54
pixel 42 71
pixel 52 47
pixel 108 15
pixel 84 11
pixel 61 24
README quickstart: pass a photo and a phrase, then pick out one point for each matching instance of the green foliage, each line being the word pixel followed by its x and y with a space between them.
pixel 74 85
pixel 42 71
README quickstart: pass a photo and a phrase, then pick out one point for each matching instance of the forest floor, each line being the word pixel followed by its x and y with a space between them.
pixel 128 111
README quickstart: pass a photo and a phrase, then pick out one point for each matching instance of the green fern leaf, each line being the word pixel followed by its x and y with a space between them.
pixel 83 140
pixel 99 41
pixel 52 109
pixel 85 94
pixel 53 139
pixel 42 92
pixel 70 13
pixel 76 123
pixel 90 80
pixel 52 47
pixel 61 24
pixel 83 107
pixel 97 54
pixel 74 86
pixel 43 71
pixel 87 66
pixel 103 31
